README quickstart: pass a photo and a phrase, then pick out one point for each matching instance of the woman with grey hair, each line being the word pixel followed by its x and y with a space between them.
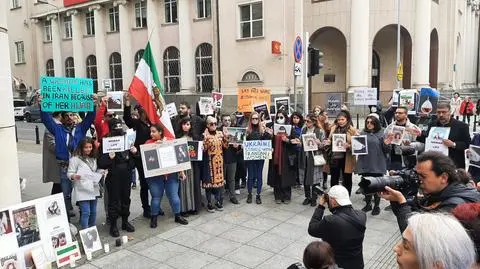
pixel 445 246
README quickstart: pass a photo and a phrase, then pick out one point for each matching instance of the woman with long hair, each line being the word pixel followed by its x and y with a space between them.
pixel 297 122
pixel 342 162
pixel 311 174
pixel 325 126
pixel 374 164
pixel 256 130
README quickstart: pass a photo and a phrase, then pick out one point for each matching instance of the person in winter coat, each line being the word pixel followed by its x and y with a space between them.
pixel 297 121
pixel 455 103
pixel 82 171
pixel 377 109
pixel 325 126
pixel 281 176
pixel 373 164
pixel 466 109
pixel 51 170
pixel 117 182
pixel 230 160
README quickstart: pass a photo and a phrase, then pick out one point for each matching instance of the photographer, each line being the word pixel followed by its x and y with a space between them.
pixel 441 184
pixel 344 230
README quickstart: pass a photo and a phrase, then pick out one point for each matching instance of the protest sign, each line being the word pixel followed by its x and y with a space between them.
pixel 359 145
pixel 263 112
pixel 409 99
pixel 282 129
pixel 236 135
pixel 66 94
pixel 473 155
pixel 217 99
pixel 248 97
pixel 308 141
pixel 195 150
pixel 115 101
pixel 113 144
pixel 428 101
pixel 398 133
pixel 434 141
pixel 334 103
pixel 206 106
pixel 90 239
pixel 282 104
pixel 130 137
pixel 257 150
pixel 338 142
pixel 395 98
pixel 64 254
pixel 171 110
pixel 364 96
pixel 165 158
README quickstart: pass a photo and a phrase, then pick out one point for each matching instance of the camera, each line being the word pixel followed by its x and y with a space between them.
pixel 318 190
pixel 296 265
pixel 405 181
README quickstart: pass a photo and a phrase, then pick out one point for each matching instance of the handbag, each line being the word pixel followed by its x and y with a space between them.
pixel 319 160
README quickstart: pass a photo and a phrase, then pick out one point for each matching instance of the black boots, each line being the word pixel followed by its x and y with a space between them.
pixel 153 222
pixel 127 226
pixel 249 198
pixel 113 228
pixel 376 208
pixel 181 220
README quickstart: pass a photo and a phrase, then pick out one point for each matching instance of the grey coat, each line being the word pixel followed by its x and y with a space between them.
pixel 83 189
pixel 375 162
pixel 51 170
pixel 310 174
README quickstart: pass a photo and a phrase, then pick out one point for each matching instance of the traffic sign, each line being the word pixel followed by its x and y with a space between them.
pixel 298 49
pixel 107 84
pixel 297 69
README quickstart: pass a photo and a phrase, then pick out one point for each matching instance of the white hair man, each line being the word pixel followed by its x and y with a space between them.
pixel 445 246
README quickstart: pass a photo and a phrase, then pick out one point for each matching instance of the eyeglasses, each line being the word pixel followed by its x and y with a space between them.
pixel 280 117
pixel 212 124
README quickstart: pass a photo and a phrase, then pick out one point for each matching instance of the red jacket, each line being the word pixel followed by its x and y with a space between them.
pixel 470 108
pixel 101 126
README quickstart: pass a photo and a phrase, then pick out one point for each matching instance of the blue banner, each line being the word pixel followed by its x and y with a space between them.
pixel 66 94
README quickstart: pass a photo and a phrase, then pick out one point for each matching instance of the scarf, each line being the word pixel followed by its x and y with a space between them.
pixel 278 153
pixel 342 130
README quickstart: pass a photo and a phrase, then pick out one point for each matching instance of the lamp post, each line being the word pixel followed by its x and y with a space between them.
pixel 398 45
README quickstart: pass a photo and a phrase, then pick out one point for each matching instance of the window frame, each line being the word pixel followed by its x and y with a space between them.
pixel 201 59
pixel 19 52
pixel 90 23
pixel 69 67
pixel 250 21
pixel 14 4
pixel 47 31
pixel 204 9
pixel 91 70
pixel 141 8
pixel 50 71
pixel 172 6
pixel 138 57
pixel 112 71
pixel 167 75
pixel 67 27
pixel 113 16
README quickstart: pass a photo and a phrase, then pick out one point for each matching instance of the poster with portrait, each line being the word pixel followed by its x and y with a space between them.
pixel 263 111
pixel 217 99
pixel 309 143
pixel 90 239
pixel 206 106
pixel 409 99
pixel 283 129
pixel 26 225
pixel 6 223
pixel 236 135
pixel 473 155
pixel 195 150
pixel 9 262
pixel 282 104
pixel 165 158
pixel 115 101
pixel 359 145
pixel 398 132
pixel 428 101
pixel 338 142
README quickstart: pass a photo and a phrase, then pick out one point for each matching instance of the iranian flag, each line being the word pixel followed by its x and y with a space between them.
pixel 145 80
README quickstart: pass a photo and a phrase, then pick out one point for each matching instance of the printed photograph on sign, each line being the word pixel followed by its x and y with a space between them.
pixel 53 209
pixel 281 129
pixel 182 153
pixel 282 104
pixel 151 159
pixel 439 133
pixel 408 99
pixel 115 101
pixel 59 239
pixel 26 225
pixel 195 151
pixel 264 112
pixel 206 106
pixel 338 142
pixel 90 239
pixel 428 101
pixel 167 157
pixel 473 155
pixel 217 99
pixel 171 110
pixel 395 98
pixel 130 137
pixel 9 262
pixel 398 133
pixel 236 135
pixel 6 223
pixel 359 145
pixel 309 143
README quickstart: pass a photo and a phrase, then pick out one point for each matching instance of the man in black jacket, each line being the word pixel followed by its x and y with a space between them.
pixel 459 138
pixel 344 230
pixel 443 186
pixel 198 124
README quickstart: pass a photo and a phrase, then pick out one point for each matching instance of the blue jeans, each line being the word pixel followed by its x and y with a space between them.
pixel 255 169
pixel 67 187
pixel 160 184
pixel 134 177
pixel 88 214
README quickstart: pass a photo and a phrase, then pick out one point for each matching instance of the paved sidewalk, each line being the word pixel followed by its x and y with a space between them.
pixel 242 236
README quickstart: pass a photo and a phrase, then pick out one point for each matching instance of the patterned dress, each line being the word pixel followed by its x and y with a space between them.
pixel 213 145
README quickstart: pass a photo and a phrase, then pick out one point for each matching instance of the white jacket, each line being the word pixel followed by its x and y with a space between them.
pixel 83 189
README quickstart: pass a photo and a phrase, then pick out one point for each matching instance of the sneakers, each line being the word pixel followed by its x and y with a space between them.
pixel 210 208
pixel 306 201
pixel 218 206
pixel 234 201
pixel 278 202
pixel 258 200
pixel 376 211
pixel 181 220
pixel 237 192
pixel 249 198
pixel 286 202
pixel 367 208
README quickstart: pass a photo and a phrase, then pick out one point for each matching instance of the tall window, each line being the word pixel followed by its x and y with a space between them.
pixel 19 52
pixel 69 68
pixel 90 23
pixel 92 71
pixel 251 20
pixel 204 8
pixel 115 63
pixel 114 19
pixel 138 57
pixel 67 22
pixel 204 67
pixel 170 11
pixel 49 68
pixel 141 14
pixel 14 4
pixel 171 69
pixel 48 30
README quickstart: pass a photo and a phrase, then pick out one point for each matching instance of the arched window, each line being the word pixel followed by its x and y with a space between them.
pixel 204 67
pixel 138 57
pixel 50 71
pixel 115 63
pixel 92 71
pixel 250 76
pixel 69 68
pixel 171 69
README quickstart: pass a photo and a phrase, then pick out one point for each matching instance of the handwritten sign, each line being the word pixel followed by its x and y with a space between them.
pixel 334 103
pixel 365 96
pixel 257 150
pixel 171 110
pixel 66 94
pixel 113 144
pixel 248 97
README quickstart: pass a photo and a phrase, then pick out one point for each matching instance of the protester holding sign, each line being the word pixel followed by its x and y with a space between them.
pixel 297 124
pixel 325 126
pixel 51 170
pixel 256 130
pixel 120 166
pixel 85 188
pixel 230 160
pixel 101 119
pixel 168 183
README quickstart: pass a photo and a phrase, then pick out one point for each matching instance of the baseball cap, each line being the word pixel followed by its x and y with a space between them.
pixel 115 124
pixel 340 194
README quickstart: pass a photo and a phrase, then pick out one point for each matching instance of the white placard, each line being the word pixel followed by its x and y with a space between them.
pixel 115 101
pixel 257 150
pixel 171 110
pixel 206 106
pixel 107 84
pixel 309 143
pixel 365 96
pixel 338 142
pixel 398 133
pixel 165 157
pixel 113 144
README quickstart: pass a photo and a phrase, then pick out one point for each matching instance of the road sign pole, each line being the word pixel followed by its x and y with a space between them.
pixel 305 73
pixel 294 92
pixel 298 54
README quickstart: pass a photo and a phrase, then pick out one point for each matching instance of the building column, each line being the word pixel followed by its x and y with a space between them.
pixel 77 37
pixel 187 59
pixel 421 44
pixel 8 158
pixel 100 45
pixel 125 42
pixel 152 28
pixel 40 58
pixel 56 46
pixel 359 44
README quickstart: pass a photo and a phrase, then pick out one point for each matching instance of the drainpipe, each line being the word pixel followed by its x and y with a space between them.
pixel 478 56
pixel 218 47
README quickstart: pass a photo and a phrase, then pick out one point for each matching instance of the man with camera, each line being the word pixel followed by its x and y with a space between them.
pixel 344 230
pixel 442 185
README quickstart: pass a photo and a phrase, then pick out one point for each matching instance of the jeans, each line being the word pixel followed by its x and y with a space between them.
pixel 66 188
pixel 88 214
pixel 229 173
pixel 160 184
pixel 255 170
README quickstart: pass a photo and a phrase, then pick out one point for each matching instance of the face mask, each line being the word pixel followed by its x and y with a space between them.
pixel 281 120
pixel 373 109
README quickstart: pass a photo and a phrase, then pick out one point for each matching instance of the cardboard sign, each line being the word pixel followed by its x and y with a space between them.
pixel 206 106
pixel 364 96
pixel 263 112
pixel 248 97
pixel 171 110
pixel 66 94
pixel 282 104
pixel 257 150
pixel 115 101
pixel 113 144
pixel 217 99
pixel 195 151
pixel 165 158
pixel 334 103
